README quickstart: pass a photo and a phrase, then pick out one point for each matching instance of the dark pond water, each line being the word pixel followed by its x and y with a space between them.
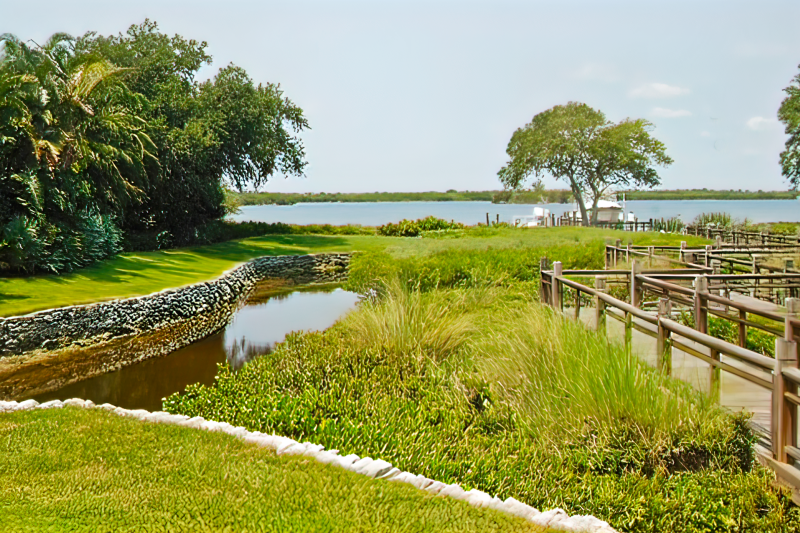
pixel 254 331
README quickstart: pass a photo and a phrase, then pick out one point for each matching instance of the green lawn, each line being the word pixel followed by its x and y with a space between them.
pixel 135 274
pixel 74 469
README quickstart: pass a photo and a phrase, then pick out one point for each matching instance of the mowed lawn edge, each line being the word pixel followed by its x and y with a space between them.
pixel 75 469
pixel 139 273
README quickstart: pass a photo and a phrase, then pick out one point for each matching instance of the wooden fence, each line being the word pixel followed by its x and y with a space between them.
pixel 779 375
pixel 739 237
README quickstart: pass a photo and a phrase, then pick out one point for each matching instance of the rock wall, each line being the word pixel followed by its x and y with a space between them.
pixel 45 351
pixel 214 300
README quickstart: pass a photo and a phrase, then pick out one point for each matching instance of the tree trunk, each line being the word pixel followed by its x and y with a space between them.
pixel 594 209
pixel 581 205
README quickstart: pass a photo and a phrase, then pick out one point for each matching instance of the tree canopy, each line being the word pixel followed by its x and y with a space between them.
pixel 577 144
pixel 106 141
pixel 789 114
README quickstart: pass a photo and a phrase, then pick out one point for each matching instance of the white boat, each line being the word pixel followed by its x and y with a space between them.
pixel 539 219
pixel 607 212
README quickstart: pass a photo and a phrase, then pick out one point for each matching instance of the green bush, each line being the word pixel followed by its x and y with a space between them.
pixel 413 228
pixel 29 245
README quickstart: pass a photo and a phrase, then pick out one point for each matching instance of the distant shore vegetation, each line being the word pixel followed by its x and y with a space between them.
pixel 541 196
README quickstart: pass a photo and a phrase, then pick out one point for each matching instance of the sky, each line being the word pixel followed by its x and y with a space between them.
pixel 422 96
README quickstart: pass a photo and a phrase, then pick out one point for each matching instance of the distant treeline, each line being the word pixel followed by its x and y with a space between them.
pixel 290 198
pixel 540 196
pixel 521 197
pixel 708 194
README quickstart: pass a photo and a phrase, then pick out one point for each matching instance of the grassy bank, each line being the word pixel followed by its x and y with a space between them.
pixel 138 273
pixel 468 380
pixel 88 470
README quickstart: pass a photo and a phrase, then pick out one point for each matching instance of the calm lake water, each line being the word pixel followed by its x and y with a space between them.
pixel 375 214
pixel 254 331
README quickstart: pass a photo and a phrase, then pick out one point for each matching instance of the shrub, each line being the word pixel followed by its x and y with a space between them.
pixel 413 228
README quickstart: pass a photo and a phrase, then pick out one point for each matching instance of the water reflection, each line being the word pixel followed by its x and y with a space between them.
pixel 254 331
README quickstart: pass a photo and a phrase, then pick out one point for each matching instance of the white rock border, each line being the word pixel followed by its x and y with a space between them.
pixel 375 468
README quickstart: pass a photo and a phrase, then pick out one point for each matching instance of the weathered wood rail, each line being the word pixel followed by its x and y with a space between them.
pixel 780 376
pixel 739 237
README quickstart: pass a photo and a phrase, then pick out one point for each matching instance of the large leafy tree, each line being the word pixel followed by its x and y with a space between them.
pixel 577 144
pixel 223 130
pixel 74 153
pixel 789 114
pixel 105 136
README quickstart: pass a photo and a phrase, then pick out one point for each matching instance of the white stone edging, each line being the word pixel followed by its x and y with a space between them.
pixel 555 519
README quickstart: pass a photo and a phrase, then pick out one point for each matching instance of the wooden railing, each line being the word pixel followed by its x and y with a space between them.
pixel 633 225
pixel 779 375
pixel 740 237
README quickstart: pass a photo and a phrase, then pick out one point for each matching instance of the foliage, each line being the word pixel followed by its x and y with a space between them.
pixel 291 198
pixel 718 220
pixel 669 225
pixel 70 470
pixel 537 195
pixel 577 144
pixel 483 387
pixel 117 128
pixel 789 114
pixel 414 228
pixel 705 194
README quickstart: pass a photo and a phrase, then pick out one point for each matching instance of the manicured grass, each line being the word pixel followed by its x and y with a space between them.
pixel 134 274
pixel 89 470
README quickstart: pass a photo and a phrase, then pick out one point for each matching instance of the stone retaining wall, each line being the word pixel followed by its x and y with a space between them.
pixel 216 300
pixel 47 350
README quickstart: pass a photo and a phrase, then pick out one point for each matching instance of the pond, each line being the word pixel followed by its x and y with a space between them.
pixel 254 331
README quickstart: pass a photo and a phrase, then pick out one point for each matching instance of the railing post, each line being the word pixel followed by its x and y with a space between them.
pixel 680 253
pixel 636 286
pixel 742 329
pixel 719 242
pixel 543 292
pixel 700 304
pixel 556 288
pixel 599 305
pixel 577 305
pixel 784 419
pixel 713 376
pixel 616 250
pixel 628 253
pixel 708 255
pixel 792 313
pixel 628 333
pixel 663 342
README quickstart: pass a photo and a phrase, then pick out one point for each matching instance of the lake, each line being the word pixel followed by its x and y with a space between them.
pixel 470 213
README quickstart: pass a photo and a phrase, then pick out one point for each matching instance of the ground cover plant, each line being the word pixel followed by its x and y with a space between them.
pixel 468 379
pixel 89 470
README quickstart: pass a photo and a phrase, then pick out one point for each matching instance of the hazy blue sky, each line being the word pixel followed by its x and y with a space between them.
pixel 409 96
